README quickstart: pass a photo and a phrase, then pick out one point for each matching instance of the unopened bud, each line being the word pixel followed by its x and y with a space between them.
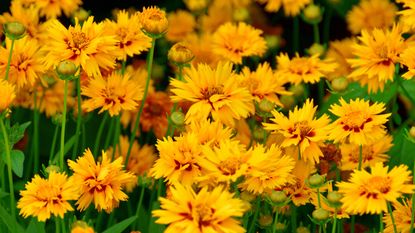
pixel 297 90
pixel 278 197
pixel 265 220
pixel 320 214
pixel 316 49
pixel 302 229
pixel 180 54
pixel 412 131
pixel 154 21
pixel 14 30
pixel 280 226
pixel 334 198
pixel 66 70
pixel 177 118
pixel 52 168
pixel 312 14
pixel 288 101
pixel 81 227
pixel 340 84
pixel 241 14
pixel 266 105
pixel 247 196
pixel 273 41
pixel 81 14
pixel 316 181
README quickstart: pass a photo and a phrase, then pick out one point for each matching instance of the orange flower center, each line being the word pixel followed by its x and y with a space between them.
pixel 204 215
pixel 301 130
pixel 300 66
pixel 355 121
pixel 79 39
pixel 376 185
pixel 229 166
pixel 210 91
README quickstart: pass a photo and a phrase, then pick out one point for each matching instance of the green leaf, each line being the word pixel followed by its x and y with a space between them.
pixel 402 150
pixel 3 194
pixel 16 132
pixel 17 157
pixel 68 145
pixel 35 227
pixel 119 227
pixel 9 221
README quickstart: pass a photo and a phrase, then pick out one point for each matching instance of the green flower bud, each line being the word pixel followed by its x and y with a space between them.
pixel 312 14
pixel 340 84
pixel 14 30
pixel 177 118
pixel 265 220
pixel 320 214
pixel 302 229
pixel 66 70
pixel 278 197
pixel 316 181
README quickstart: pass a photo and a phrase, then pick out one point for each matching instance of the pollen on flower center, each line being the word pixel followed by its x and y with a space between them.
pixel 204 215
pixel 229 166
pixel 210 91
pixel 301 129
pixel 79 39
pixel 376 185
pixel 355 121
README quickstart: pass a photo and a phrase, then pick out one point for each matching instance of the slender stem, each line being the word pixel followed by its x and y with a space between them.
pixel 9 167
pixel 109 134
pixel 99 134
pixel 381 222
pixel 140 202
pixel 150 57
pixel 318 198
pixel 52 148
pixel 78 118
pixel 316 33
pixel 392 218
pixel 413 202
pixel 256 213
pixel 353 223
pixel 327 21
pixel 57 225
pixel 36 134
pixel 116 137
pixel 359 167
pixel 274 226
pixel 62 220
pixel 62 146
pixel 6 76
pixel 296 34
pixel 333 230
pixel 293 218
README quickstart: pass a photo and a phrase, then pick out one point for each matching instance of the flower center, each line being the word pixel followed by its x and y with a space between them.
pixel 204 215
pixel 210 91
pixel 229 166
pixel 300 66
pixel 301 130
pixel 79 39
pixel 355 121
pixel 376 185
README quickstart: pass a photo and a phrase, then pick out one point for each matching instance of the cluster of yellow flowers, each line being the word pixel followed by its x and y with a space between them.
pixel 237 128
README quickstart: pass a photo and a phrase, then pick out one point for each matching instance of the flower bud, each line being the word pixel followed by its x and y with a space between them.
pixel 320 214
pixel 247 196
pixel 266 105
pixel 412 131
pixel 177 118
pixel 273 41
pixel 153 21
pixel 278 197
pixel 66 70
pixel 241 14
pixel 14 30
pixel 334 198
pixel 196 5
pixel 180 54
pixel 81 227
pixel 312 14
pixel 340 84
pixel 52 168
pixel 81 14
pixel 280 226
pixel 316 181
pixel 316 49
pixel 288 101
pixel 265 220
pixel 297 90
pixel 259 134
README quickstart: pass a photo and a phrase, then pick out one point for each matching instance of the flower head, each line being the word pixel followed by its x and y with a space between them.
pixel 99 182
pixel 86 46
pixel 113 93
pixel 301 128
pixel 153 20
pixel 291 8
pixel 371 14
pixel 376 57
pixel 368 193
pixel 402 216
pixel 359 122
pixel 202 212
pixel 235 41
pixel 8 94
pixel 44 197
pixel 127 29
pixel 213 92
pixel 187 26
pixel 303 69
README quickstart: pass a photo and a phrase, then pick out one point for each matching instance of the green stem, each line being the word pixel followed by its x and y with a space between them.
pixel 62 220
pixel 353 223
pixel 274 226
pixel 327 21
pixel 318 198
pixel 359 167
pixel 170 126
pixel 333 230
pixel 140 202
pixel 256 213
pixel 392 218
pixel 52 148
pixel 9 167
pixel 36 134
pixel 99 134
pixel 78 118
pixel 150 57
pixel 62 146
pixel 109 134
pixel 381 222
pixel 293 218
pixel 6 76
pixel 116 137
pixel 296 35
pixel 316 33
pixel 57 225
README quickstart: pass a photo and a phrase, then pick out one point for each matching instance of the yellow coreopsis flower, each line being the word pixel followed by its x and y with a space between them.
pixel 301 194
pixel 202 212
pixel 44 197
pixel 407 57
pixel 100 182
pixel 187 26
pixel 263 83
pixel 178 160
pixel 268 169
pixel 371 14
pixel 303 69
pixel 153 20
pixel 127 30
pixel 359 122
pixel 86 46
pixel 113 93
pixel 371 153
pixel 26 63
pixel 8 93
pixel 402 216
pixel 210 133
pixel 376 57
pixel 291 7
pixel 217 15
pixel 408 14
pixel 213 92
pixel 50 101
pixel 54 9
pixel 302 129
pixel 236 41
pixel 368 193
pixel 339 51
pixel 201 47
pixel 140 161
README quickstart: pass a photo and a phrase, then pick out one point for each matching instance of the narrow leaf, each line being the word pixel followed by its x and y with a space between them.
pixel 119 227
